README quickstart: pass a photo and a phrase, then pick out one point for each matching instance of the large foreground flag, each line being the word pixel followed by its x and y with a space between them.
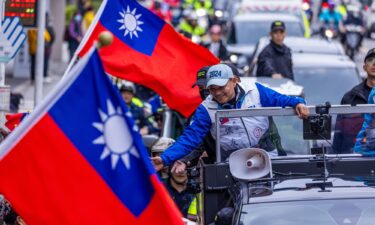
pixel 78 159
pixel 148 51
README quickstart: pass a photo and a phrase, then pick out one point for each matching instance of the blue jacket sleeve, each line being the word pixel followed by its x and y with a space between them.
pixel 190 139
pixel 271 98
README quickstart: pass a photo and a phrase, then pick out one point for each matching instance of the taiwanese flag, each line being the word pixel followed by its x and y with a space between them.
pixel 148 51
pixel 13 120
pixel 78 159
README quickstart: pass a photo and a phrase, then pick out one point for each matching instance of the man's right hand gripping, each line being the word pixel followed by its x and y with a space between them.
pixel 157 162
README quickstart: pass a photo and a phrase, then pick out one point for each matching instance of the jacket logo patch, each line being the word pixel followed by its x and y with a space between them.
pixel 224 121
pixel 257 132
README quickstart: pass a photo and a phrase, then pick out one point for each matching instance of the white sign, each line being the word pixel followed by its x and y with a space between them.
pixel 4 98
pixel 11 38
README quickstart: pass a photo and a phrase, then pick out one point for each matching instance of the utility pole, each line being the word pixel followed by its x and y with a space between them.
pixel 39 68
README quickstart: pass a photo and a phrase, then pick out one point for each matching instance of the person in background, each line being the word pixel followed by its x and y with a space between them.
pixel 162 10
pixel 348 126
pixel 75 33
pixel 128 92
pixel 48 44
pixel 177 188
pixel 189 26
pixel 276 58
pixel 32 37
pixel 88 17
pixel 216 45
pixel 156 149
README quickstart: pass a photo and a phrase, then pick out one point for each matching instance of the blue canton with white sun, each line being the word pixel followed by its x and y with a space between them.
pixel 130 22
pixel 116 138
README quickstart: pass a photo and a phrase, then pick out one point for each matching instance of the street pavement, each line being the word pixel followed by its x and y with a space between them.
pixel 27 89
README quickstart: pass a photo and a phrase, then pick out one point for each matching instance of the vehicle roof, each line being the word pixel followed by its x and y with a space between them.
pixel 295 190
pixel 284 86
pixel 306 45
pixel 301 60
pixel 270 2
pixel 265 17
pixel 269 5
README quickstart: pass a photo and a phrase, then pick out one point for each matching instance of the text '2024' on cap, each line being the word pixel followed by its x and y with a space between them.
pixel 219 75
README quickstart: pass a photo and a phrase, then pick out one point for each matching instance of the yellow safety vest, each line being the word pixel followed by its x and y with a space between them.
pixel 32 37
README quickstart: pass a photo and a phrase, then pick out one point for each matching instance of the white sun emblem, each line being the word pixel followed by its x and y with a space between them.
pixel 130 22
pixel 115 136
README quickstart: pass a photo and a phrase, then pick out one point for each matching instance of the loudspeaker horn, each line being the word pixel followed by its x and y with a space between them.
pixel 250 164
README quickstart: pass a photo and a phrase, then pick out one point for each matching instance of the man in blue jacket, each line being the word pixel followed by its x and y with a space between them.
pixel 236 133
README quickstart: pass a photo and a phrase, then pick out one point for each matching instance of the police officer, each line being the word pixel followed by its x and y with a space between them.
pixel 276 59
pixel 237 133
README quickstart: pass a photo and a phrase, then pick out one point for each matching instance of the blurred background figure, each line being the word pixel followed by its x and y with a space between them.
pixel 157 148
pixel 331 19
pixel 189 26
pixel 88 17
pixel 162 10
pixel 127 91
pixel 177 188
pixel 74 33
pixel 49 37
pixel 216 44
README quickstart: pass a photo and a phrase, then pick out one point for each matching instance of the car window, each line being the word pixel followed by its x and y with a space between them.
pixel 245 32
pixel 325 84
pixel 327 212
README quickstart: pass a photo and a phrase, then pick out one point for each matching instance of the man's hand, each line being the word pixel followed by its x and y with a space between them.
pixel 277 76
pixel 143 131
pixel 178 167
pixel 302 111
pixel 157 162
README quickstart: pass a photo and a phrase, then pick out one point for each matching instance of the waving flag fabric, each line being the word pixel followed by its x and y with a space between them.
pixel 148 51
pixel 79 159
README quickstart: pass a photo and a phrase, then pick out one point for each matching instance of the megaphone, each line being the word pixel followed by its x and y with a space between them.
pixel 250 164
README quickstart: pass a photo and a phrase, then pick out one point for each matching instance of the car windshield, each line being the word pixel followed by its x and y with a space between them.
pixel 289 135
pixel 325 84
pixel 327 212
pixel 245 32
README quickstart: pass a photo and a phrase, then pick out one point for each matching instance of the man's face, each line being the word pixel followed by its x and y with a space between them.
pixel 193 22
pixel 203 92
pixel 223 94
pixel 215 37
pixel 180 178
pixel 127 96
pixel 369 67
pixel 278 36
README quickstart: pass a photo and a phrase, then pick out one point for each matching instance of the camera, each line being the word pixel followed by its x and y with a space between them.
pixel 193 184
pixel 318 127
